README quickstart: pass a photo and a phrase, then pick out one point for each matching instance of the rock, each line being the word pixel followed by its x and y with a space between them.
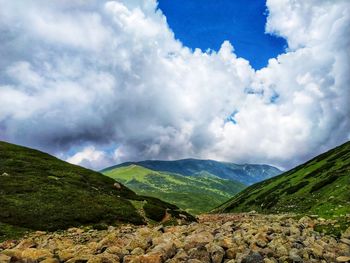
pixel 65 254
pixel 253 257
pixel 33 254
pixel 345 241
pixel 50 260
pixel 306 221
pixel 80 259
pixel 137 251
pixel 103 258
pixel 4 258
pixel 343 259
pixel 226 243
pixel 148 258
pixel 120 252
pixel 346 233
pixel 14 254
pixel 117 186
pixel 316 250
pixel 167 250
pixel 281 250
pixel 199 253
pixel 217 253
pixel 27 243
pixel 201 238
pixel 194 261
pixel 294 257
pixel 231 253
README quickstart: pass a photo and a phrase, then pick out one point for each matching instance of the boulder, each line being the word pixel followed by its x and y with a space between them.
pixel 200 253
pixel 4 258
pixel 253 257
pixel 36 255
pixel 217 253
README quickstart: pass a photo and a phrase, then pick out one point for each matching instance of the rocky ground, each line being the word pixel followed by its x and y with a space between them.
pixel 245 238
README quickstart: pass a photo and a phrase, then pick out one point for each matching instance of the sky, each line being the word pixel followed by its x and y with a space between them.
pixel 207 24
pixel 102 82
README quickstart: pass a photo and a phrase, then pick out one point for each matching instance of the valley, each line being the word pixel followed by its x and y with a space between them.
pixel 54 212
pixel 195 194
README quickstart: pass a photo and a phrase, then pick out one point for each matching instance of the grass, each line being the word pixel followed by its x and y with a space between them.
pixel 320 186
pixel 41 192
pixel 195 194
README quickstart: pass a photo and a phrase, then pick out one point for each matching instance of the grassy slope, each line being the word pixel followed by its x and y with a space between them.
pixel 195 194
pixel 41 192
pixel 320 186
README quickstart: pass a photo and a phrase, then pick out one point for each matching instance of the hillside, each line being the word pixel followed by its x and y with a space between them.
pixel 41 192
pixel 320 186
pixel 244 173
pixel 195 194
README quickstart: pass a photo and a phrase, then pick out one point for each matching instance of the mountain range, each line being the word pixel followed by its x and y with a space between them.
pixel 192 184
pixel 244 173
pixel 196 194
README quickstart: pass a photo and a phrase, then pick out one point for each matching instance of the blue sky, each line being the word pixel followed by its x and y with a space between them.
pixel 207 23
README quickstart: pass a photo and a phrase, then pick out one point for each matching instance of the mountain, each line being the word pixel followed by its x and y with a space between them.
pixel 244 173
pixel 196 194
pixel 41 192
pixel 320 186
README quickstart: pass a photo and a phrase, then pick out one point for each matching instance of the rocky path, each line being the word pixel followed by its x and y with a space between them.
pixel 245 238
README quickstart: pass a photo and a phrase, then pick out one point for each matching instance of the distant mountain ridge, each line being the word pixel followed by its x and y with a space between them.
pixel 320 186
pixel 245 173
pixel 195 194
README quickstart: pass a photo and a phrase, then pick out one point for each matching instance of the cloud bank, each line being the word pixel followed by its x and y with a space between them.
pixel 101 82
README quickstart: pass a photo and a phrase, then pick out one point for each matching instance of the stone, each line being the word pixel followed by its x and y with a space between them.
pixel 281 250
pixel 294 257
pixel 346 233
pixel 253 257
pixel 4 258
pixel 345 241
pixel 306 222
pixel 148 258
pixel 167 250
pixel 50 260
pixel 231 253
pixel 14 254
pixel 33 254
pixel 27 243
pixel 343 259
pixel 217 253
pixel 202 238
pixel 200 253
pixel 317 250
pixel 65 254
pixel 194 261
pixel 137 251
pixel 104 258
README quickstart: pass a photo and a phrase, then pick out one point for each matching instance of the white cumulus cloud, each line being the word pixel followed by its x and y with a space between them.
pixel 95 74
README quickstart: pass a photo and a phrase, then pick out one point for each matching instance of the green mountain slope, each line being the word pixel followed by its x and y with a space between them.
pixel 320 186
pixel 195 194
pixel 41 192
pixel 247 174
